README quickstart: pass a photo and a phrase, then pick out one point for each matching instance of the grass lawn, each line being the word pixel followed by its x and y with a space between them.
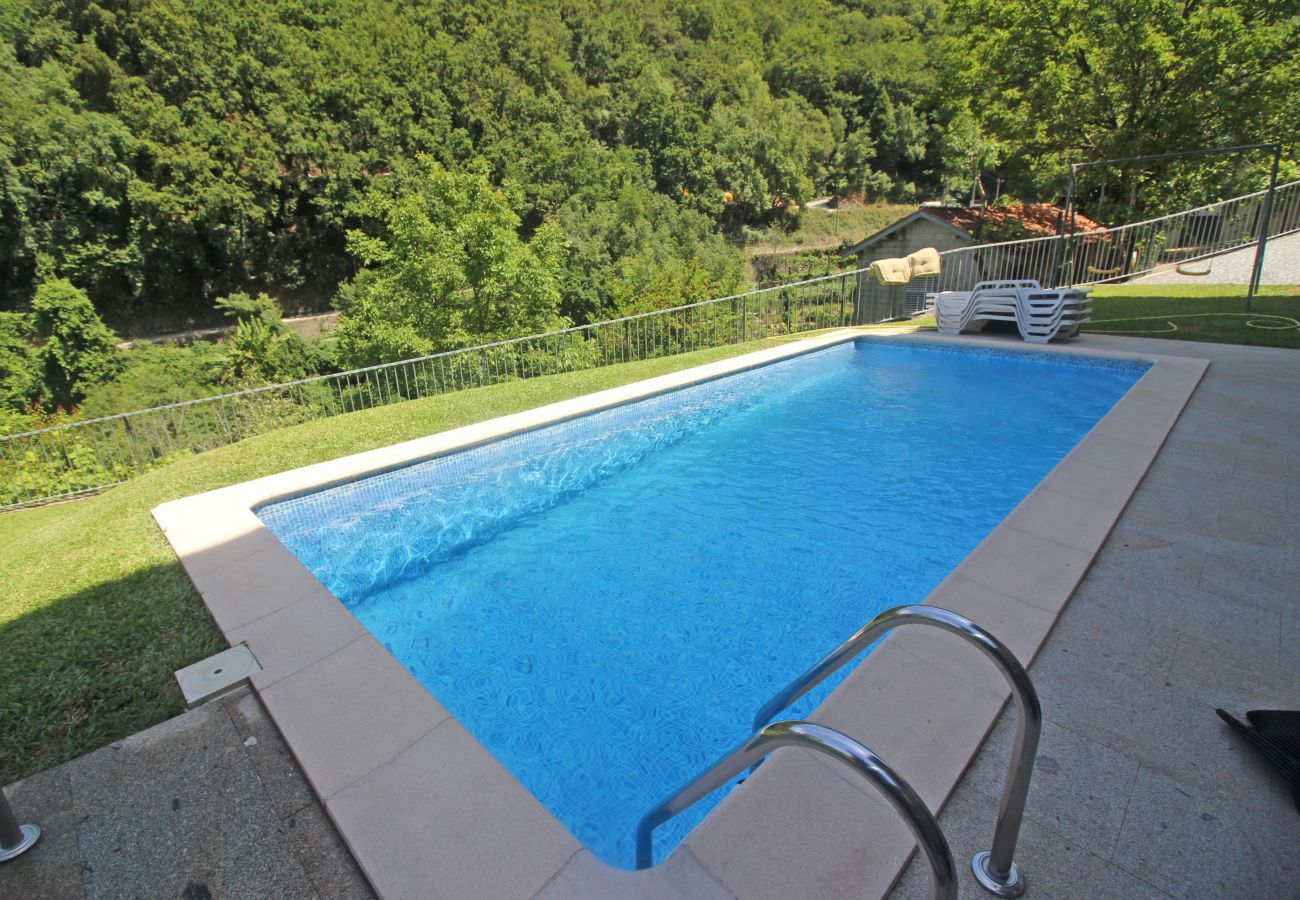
pixel 829 227
pixel 1212 312
pixel 97 613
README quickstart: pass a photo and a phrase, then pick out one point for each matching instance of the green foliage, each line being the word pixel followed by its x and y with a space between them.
pixel 259 352
pixel 154 375
pixel 262 349
pixel 242 307
pixel 64 184
pixel 1075 80
pixel 20 374
pixel 965 151
pixel 78 350
pixel 618 241
pixel 169 152
pixel 446 268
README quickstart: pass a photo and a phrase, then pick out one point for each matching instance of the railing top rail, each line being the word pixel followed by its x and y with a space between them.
pixel 1115 228
pixel 446 354
pixel 1192 211
pixel 970 248
pixel 901 796
pixel 443 354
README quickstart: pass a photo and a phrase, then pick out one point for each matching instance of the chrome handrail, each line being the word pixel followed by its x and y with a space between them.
pixel 994 869
pixel 904 800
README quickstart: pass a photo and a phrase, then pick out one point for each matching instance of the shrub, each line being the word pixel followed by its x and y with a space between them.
pixel 78 350
pixel 153 375
pixel 262 349
pixel 20 374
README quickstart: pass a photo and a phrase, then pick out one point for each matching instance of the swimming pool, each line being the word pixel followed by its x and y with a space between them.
pixel 604 602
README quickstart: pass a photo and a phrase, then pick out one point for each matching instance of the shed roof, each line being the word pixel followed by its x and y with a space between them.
pixel 1039 219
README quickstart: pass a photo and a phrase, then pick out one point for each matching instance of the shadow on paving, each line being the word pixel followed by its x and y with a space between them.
pixel 206 806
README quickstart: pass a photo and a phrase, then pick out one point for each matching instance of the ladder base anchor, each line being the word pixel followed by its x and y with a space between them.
pixel 1012 886
pixel 31 834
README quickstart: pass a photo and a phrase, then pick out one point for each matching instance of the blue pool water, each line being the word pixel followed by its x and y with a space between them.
pixel 606 602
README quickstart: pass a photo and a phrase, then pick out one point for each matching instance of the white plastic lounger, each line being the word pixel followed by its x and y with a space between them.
pixel 1040 315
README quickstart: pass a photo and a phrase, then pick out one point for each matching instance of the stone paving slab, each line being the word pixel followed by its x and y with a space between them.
pixel 52 870
pixel 680 877
pixel 1140 790
pixel 1054 868
pixel 205 806
pixel 460 814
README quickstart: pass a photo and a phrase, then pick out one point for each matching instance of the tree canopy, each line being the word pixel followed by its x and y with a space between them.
pixel 160 154
pixel 1074 80
pixel 447 269
pixel 165 153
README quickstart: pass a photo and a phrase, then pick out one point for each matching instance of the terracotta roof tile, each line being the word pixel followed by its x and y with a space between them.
pixel 1038 218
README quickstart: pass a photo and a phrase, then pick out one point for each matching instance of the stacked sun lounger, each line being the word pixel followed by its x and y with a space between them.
pixel 1040 315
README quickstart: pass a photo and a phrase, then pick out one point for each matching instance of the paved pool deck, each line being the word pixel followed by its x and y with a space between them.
pixel 209 805
pixel 1281 267
pixel 1140 790
pixel 1193 603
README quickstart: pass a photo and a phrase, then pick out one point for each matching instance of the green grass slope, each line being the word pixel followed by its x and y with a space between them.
pixel 97 613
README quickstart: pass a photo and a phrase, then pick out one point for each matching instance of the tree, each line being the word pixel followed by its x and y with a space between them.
pixel 19 372
pixel 263 349
pixel 966 152
pixel 169 152
pixel 1074 80
pixel 78 350
pixel 445 268
pixel 63 188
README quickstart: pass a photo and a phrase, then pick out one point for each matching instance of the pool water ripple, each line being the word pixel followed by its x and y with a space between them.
pixel 604 603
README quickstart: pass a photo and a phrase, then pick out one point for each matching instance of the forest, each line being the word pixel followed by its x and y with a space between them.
pixel 446 173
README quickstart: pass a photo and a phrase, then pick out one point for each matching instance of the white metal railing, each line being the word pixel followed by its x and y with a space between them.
pixel 81 457
pixel 1110 254
pixel 1114 254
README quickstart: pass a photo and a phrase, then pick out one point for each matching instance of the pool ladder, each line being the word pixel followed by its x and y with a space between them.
pixel 994 869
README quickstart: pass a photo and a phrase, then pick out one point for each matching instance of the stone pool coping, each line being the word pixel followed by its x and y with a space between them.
pixel 427 811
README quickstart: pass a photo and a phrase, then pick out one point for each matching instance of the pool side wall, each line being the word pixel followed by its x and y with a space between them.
pixel 428 812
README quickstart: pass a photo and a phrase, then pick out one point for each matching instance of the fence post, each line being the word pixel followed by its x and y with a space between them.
pixel 1257 271
pixel 15 839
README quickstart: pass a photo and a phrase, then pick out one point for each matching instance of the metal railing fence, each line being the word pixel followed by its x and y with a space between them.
pixel 1114 254
pixel 81 457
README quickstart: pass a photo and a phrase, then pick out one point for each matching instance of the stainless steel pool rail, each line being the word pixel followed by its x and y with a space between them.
pixel 994 869
pixel 904 800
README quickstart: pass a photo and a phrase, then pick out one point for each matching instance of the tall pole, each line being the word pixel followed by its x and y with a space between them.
pixel 1266 216
pixel 1066 210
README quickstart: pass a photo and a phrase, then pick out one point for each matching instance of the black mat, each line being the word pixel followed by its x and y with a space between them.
pixel 1275 733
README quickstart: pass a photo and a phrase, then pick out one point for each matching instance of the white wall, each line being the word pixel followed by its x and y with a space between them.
pixel 919 234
